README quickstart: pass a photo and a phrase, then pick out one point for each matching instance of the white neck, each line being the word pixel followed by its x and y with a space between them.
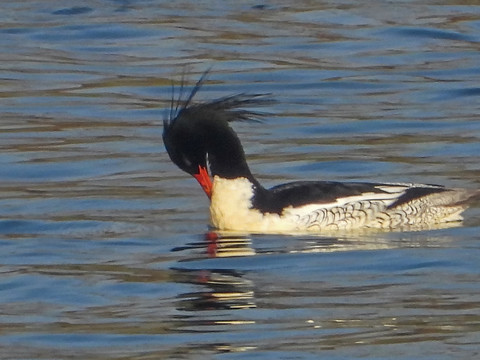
pixel 231 208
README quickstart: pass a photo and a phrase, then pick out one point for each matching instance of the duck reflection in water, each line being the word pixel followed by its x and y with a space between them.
pixel 228 287
pixel 225 288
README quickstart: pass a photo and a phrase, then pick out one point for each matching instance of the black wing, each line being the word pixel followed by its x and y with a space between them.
pixel 301 193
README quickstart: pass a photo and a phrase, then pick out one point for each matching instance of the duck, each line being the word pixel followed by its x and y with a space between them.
pixel 200 140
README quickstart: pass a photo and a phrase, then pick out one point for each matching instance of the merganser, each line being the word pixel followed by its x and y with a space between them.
pixel 198 138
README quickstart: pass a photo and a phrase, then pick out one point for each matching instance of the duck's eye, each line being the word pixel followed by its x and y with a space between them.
pixel 186 160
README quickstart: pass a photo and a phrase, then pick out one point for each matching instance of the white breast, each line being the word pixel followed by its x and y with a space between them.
pixel 230 209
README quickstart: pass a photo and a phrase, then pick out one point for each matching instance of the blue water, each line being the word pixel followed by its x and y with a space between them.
pixel 105 248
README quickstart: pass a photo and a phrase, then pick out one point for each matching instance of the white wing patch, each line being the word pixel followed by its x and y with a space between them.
pixel 344 213
pixel 370 210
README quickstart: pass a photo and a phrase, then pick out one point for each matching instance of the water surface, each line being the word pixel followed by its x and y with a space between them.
pixel 105 248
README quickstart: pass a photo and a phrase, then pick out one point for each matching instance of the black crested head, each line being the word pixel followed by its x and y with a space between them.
pixel 197 134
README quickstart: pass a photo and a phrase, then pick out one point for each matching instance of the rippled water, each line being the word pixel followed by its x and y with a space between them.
pixel 105 250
